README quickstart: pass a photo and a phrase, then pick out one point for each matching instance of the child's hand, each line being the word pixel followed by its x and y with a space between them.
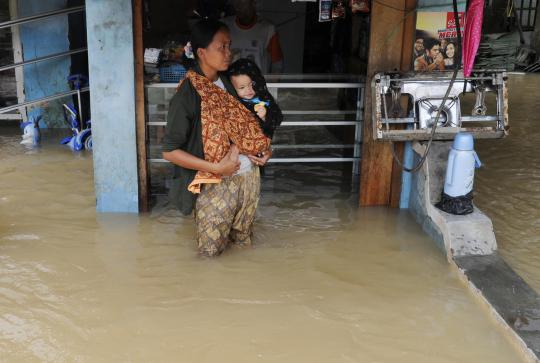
pixel 260 110
pixel 261 159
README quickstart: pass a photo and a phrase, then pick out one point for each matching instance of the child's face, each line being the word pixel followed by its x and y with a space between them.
pixel 243 86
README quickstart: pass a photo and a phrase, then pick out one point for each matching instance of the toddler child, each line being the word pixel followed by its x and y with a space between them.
pixel 250 86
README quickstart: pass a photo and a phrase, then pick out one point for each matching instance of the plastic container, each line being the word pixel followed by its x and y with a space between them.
pixel 462 161
pixel 172 73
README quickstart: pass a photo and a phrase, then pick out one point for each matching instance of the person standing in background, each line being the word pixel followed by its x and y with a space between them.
pixel 254 38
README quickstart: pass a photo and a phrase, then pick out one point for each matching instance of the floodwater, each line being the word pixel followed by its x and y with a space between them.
pixel 324 281
pixel 508 185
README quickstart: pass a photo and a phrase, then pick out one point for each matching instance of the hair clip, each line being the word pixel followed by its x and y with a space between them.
pixel 188 51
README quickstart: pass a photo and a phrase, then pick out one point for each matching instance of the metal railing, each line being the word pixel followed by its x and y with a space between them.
pixel 44 58
pixel 42 100
pixel 48 14
pixel 308 82
pixel 28 19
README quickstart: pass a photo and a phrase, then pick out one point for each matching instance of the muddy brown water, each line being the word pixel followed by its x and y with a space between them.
pixel 507 187
pixel 324 282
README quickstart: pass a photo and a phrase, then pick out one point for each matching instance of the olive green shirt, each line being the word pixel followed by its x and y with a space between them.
pixel 184 132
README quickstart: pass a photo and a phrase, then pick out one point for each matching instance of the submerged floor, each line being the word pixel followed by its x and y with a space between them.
pixel 325 282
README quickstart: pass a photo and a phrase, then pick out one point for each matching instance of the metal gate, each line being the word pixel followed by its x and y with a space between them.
pixel 21 106
pixel 311 118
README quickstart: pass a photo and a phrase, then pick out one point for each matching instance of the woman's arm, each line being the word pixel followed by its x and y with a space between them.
pixel 226 167
pixel 182 115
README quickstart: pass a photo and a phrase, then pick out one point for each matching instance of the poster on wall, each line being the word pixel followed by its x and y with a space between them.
pixel 338 9
pixel 325 10
pixel 435 43
pixel 332 10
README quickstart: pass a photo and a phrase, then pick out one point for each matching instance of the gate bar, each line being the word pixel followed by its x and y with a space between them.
pixel 47 57
pixel 28 19
pixel 289 160
pixel 41 100
pixel 314 85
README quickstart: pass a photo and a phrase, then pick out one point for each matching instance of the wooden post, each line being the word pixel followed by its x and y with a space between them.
pixel 406 64
pixel 17 57
pixel 140 105
pixel 390 47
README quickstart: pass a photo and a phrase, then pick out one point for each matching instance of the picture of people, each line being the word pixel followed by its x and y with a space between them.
pixel 435 46
pixel 432 59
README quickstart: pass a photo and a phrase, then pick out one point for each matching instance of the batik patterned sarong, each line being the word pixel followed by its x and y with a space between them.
pixel 225 121
pixel 224 212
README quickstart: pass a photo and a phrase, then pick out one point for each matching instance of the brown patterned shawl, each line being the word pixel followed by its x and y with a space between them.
pixel 225 121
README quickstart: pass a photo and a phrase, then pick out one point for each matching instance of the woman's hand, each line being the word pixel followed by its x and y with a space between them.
pixel 230 163
pixel 262 159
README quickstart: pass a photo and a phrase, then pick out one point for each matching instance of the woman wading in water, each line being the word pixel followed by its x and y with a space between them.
pixel 213 141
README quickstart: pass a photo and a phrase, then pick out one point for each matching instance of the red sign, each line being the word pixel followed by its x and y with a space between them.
pixel 451 20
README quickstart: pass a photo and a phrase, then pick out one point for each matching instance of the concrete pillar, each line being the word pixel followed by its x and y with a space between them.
pixel 112 94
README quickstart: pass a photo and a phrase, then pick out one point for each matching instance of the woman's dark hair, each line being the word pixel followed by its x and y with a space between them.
pixel 203 32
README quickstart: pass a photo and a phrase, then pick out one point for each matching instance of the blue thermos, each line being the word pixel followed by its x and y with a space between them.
pixel 462 161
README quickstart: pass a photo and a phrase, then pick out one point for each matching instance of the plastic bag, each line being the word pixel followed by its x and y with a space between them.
pixel 456 205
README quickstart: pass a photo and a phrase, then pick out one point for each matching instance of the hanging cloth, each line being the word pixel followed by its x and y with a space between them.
pixel 224 121
pixel 472 34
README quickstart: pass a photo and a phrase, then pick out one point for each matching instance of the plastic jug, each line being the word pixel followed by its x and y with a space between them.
pixel 462 160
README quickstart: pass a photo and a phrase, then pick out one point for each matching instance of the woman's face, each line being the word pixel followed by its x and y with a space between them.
pixel 217 55
pixel 450 50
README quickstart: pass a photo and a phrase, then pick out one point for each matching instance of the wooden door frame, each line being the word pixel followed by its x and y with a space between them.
pixel 390 48
pixel 140 109
pixel 17 57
